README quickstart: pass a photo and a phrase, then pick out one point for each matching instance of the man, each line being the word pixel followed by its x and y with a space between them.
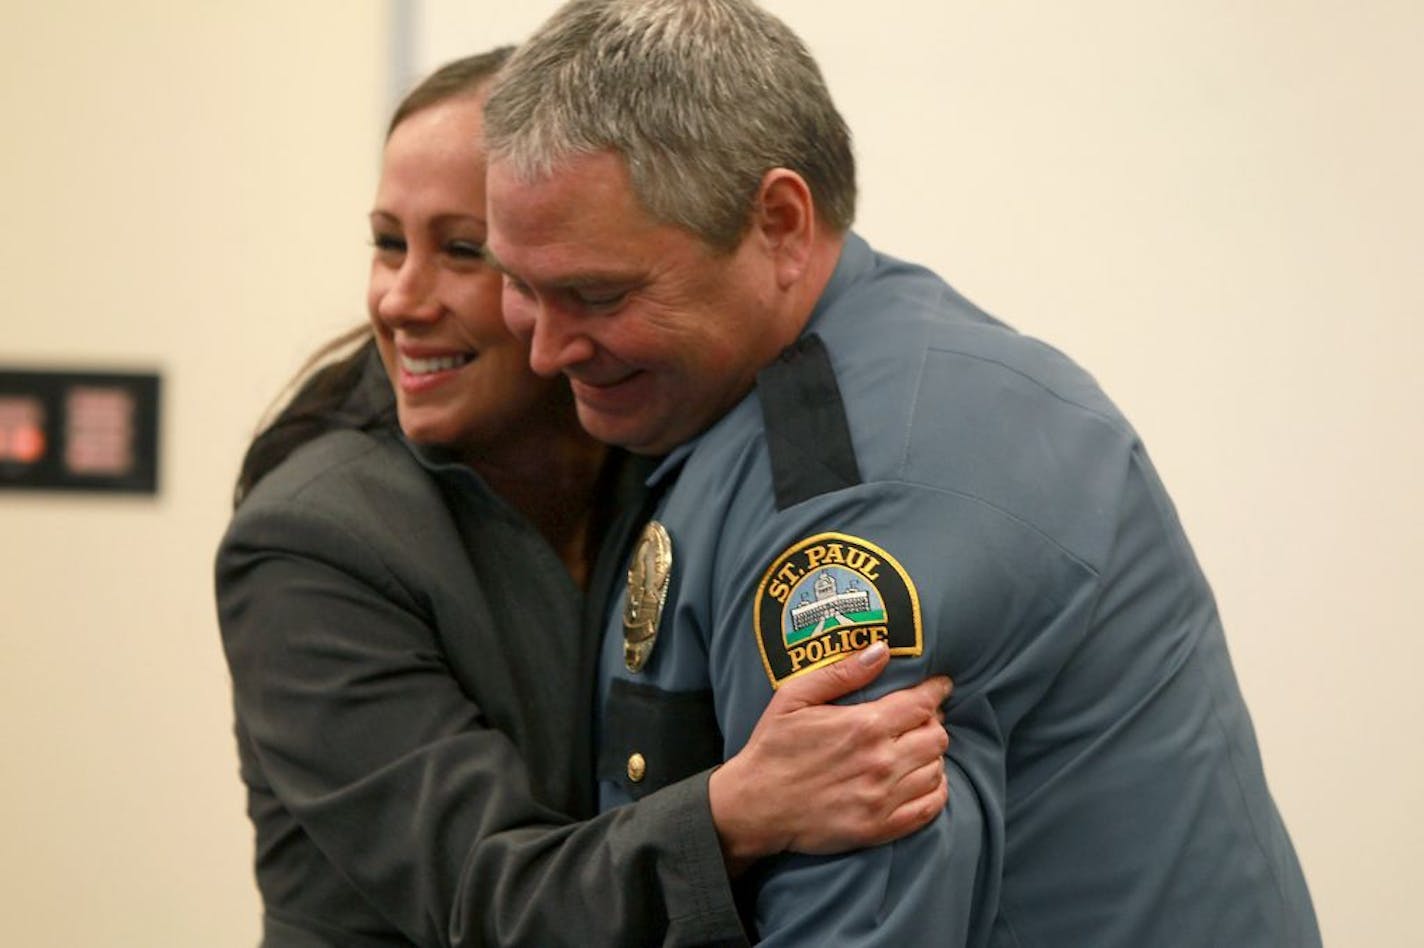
pixel 855 454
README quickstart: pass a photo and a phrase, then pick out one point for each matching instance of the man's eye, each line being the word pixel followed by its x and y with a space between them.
pixel 600 300
pixel 517 285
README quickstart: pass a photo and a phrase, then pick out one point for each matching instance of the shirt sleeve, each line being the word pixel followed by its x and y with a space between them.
pixel 350 716
pixel 982 590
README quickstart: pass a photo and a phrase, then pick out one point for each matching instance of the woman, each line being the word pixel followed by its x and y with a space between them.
pixel 402 621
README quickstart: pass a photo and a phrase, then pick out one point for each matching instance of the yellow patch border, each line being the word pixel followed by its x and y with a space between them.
pixel 910 589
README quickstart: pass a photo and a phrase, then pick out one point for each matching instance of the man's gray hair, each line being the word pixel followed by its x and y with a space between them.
pixel 701 97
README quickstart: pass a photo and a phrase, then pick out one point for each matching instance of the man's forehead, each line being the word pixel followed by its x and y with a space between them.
pixel 579 223
pixel 551 275
pixel 606 168
pixel 562 263
pixel 524 204
pixel 503 173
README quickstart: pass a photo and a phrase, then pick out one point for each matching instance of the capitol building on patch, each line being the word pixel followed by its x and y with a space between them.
pixel 829 601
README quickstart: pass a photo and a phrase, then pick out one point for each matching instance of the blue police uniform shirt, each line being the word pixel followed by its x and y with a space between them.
pixel 969 494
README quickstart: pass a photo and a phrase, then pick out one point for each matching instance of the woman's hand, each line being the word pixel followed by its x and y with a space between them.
pixel 823 778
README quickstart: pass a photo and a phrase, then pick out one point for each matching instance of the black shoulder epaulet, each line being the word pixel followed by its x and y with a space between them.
pixel 806 431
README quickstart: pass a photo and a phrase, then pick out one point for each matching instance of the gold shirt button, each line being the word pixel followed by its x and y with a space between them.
pixel 637 767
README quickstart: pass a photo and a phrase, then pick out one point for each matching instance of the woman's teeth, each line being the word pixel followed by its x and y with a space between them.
pixel 437 364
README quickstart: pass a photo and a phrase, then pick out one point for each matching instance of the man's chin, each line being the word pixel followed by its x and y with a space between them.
pixel 630 433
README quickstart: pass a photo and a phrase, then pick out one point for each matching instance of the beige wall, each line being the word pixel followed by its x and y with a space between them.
pixel 1215 206
pixel 185 186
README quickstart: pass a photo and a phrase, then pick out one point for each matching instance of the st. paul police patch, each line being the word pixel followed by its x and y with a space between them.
pixel 828 596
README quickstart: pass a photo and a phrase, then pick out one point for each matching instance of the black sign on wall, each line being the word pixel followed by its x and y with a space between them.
pixel 86 431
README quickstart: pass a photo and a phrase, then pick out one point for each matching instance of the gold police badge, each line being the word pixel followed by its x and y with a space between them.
pixel 648 577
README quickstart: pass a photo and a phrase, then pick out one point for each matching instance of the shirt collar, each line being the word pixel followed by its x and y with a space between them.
pixel 672 462
pixel 856 260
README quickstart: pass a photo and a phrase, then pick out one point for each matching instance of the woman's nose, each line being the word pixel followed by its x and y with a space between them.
pixel 411 297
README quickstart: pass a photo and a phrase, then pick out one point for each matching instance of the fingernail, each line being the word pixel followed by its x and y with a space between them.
pixel 871 655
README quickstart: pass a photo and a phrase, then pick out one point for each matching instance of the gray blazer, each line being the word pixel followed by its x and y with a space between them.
pixel 412 682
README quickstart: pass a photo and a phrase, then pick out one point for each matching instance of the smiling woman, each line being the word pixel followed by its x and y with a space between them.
pixel 400 595
pixel 458 374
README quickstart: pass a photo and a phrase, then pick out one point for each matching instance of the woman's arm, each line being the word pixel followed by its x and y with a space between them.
pixel 357 725
pixel 860 774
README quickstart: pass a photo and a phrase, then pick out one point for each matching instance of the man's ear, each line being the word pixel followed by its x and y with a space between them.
pixel 785 222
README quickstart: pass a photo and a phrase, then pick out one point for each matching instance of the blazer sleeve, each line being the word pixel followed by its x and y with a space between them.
pixel 347 708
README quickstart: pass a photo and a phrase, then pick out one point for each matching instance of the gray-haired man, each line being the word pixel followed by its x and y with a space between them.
pixel 854 453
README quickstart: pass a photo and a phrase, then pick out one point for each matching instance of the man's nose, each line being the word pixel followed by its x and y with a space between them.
pixel 556 340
